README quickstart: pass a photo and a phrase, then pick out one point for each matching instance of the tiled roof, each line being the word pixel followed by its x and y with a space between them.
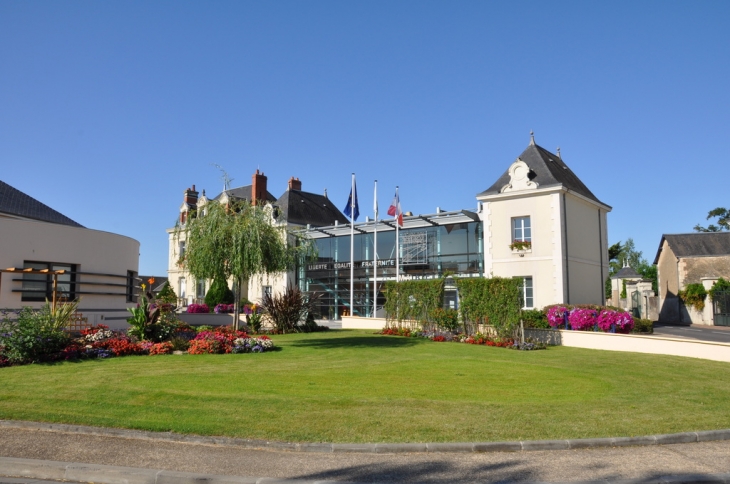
pixel 244 193
pixel 302 208
pixel 627 273
pixel 16 203
pixel 548 170
pixel 699 244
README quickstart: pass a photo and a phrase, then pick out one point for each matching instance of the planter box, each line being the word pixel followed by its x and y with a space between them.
pixel 210 319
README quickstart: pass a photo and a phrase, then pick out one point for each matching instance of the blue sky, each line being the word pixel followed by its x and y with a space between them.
pixel 109 110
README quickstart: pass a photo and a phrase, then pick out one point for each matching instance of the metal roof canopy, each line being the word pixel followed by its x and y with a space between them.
pixel 409 222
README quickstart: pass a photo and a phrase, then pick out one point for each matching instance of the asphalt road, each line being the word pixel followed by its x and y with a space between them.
pixel 645 463
pixel 718 334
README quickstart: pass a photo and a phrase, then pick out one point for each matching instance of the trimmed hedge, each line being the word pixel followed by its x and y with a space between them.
pixel 494 301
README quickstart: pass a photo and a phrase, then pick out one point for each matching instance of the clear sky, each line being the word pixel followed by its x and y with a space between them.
pixel 110 109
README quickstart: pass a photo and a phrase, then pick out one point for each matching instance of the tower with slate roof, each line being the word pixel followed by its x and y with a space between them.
pixel 543 225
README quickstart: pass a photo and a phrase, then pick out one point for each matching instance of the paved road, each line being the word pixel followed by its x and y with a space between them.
pixel 645 463
pixel 719 334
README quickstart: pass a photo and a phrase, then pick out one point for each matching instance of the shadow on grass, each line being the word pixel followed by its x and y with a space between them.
pixel 358 342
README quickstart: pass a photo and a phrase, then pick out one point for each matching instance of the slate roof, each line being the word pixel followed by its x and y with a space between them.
pixel 16 203
pixel 548 170
pixel 244 193
pixel 302 208
pixel 627 273
pixel 698 244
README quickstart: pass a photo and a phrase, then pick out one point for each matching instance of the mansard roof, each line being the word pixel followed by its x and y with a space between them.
pixel 15 203
pixel 244 193
pixel 547 170
pixel 302 208
pixel 698 244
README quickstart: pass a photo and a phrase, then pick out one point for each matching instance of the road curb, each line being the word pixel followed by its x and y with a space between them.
pixel 324 447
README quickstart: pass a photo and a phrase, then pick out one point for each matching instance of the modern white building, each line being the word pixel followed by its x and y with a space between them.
pixel 100 268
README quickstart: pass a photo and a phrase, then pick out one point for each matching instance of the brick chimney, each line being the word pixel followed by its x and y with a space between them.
pixel 295 184
pixel 258 188
pixel 190 197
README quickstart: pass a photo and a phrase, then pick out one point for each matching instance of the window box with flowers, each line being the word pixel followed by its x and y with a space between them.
pixel 521 247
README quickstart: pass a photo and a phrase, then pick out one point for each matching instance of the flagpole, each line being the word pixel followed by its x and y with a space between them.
pixel 397 242
pixel 375 253
pixel 353 195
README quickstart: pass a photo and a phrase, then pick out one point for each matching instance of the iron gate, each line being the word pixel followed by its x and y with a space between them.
pixel 636 304
pixel 721 308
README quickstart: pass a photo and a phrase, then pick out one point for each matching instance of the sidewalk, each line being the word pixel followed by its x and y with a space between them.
pixel 148 460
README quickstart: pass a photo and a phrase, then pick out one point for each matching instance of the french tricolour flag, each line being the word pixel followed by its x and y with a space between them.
pixel 394 210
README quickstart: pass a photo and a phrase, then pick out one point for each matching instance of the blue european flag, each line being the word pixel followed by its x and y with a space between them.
pixel 353 214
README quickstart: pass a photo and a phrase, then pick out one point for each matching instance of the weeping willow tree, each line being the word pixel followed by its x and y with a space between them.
pixel 239 241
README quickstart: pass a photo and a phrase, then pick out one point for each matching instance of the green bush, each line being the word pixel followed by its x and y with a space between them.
pixel 494 301
pixel 643 326
pixel 413 300
pixel 535 318
pixel 33 337
pixel 446 319
pixel 167 294
pixel 219 293
pixel 694 296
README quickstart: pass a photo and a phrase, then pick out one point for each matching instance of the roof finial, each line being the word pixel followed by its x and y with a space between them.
pixel 558 150
pixel 532 138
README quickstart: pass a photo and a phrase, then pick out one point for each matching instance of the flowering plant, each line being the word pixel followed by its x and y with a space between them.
pixel 161 348
pixel 252 345
pixel 556 316
pixel 624 323
pixel 582 319
pixel 198 308
pixel 520 245
pixel 253 316
pixel 224 308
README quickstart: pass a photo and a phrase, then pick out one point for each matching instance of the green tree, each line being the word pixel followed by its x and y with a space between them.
pixel 219 293
pixel 239 241
pixel 723 221
pixel 619 253
pixel 167 294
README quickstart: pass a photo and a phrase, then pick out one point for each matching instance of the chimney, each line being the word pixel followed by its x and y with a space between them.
pixel 258 188
pixel 295 184
pixel 190 197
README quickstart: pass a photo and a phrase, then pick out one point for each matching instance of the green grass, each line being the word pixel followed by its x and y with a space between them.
pixel 353 386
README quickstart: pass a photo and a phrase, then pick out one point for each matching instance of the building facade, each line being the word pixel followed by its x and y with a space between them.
pixel 99 268
pixel 537 222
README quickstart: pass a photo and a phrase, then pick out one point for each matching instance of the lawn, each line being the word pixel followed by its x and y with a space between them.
pixel 353 386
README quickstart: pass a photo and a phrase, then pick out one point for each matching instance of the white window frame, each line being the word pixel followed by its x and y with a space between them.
pixel 264 291
pixel 524 286
pixel 518 224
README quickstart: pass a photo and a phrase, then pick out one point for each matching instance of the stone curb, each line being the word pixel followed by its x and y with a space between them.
pixel 323 447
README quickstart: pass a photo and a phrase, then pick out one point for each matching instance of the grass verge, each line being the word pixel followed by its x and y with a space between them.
pixel 353 386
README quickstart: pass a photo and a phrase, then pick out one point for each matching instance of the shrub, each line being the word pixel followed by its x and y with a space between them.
pixel 643 326
pixel 535 318
pixel 198 308
pixel 556 316
pixel 721 285
pixel 167 294
pixel 33 337
pixel 180 343
pixel 219 293
pixel 694 296
pixel 446 319
pixel 289 309
pixel 493 300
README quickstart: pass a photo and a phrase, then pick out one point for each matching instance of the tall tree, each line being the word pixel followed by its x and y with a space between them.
pixel 723 221
pixel 238 240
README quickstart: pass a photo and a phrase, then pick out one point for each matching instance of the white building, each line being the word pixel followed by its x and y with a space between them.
pixel 100 268
pixel 541 201
pixel 537 222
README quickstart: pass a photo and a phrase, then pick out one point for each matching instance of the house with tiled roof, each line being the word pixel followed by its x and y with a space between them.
pixel 295 208
pixel 694 258
pixel 40 244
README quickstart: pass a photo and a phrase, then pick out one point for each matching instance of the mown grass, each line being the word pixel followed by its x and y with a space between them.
pixel 353 386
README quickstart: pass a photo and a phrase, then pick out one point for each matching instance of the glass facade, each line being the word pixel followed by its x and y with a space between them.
pixel 425 252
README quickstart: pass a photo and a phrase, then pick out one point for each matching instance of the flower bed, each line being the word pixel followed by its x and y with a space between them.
pixel 476 339
pixel 101 342
pixel 590 318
